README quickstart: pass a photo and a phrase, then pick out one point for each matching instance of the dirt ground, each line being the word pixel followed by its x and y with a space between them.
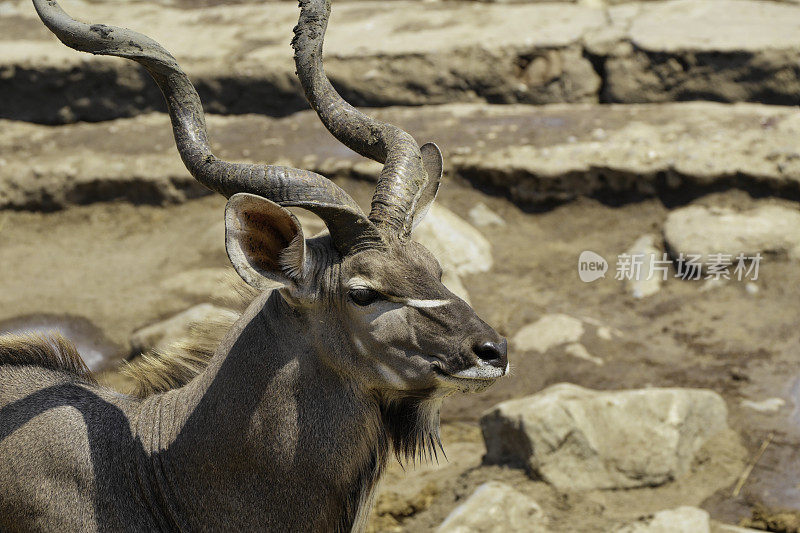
pixel 106 262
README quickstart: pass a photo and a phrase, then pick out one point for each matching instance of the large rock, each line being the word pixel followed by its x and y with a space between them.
pixel 577 439
pixel 700 230
pixel 160 335
pixel 548 332
pixel 680 520
pixel 459 247
pixel 533 155
pixel 495 507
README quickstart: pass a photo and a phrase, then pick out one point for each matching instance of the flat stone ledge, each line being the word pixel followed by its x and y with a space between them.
pixel 377 54
pixel 414 53
pixel 726 50
pixel 622 152
pixel 534 155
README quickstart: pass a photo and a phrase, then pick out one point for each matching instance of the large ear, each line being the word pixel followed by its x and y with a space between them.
pixel 433 162
pixel 265 242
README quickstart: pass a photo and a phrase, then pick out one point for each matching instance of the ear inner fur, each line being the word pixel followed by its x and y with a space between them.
pixel 264 240
pixel 433 162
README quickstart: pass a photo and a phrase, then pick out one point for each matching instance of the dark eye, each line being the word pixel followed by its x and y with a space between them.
pixel 364 296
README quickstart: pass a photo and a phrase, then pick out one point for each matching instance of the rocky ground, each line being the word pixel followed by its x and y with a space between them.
pixel 684 408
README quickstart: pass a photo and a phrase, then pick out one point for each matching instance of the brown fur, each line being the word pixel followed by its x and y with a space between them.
pixel 48 351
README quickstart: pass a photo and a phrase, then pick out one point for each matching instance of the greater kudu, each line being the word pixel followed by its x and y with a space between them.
pixel 290 424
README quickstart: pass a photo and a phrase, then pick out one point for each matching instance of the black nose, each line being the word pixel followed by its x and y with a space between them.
pixel 494 353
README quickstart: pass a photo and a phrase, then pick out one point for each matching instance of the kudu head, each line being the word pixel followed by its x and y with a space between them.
pixel 372 297
pixel 378 313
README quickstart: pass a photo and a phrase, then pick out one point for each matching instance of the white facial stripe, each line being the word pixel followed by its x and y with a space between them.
pixel 361 283
pixel 424 303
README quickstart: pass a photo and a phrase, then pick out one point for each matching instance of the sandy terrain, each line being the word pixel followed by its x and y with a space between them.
pixel 105 262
